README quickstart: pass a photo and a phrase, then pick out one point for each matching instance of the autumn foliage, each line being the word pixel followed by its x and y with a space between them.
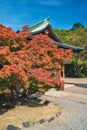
pixel 25 62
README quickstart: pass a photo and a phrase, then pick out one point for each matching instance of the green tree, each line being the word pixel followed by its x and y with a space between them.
pixel 77 26
pixel 77 36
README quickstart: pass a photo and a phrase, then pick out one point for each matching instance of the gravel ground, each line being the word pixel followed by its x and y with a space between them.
pixel 73 117
pixel 74 112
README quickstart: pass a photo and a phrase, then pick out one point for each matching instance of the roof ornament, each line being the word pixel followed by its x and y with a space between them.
pixel 46 20
pixel 48 17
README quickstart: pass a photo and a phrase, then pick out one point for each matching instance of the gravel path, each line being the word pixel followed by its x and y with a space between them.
pixel 74 107
pixel 76 85
pixel 73 117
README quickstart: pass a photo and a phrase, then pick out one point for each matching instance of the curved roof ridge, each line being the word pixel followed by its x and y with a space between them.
pixel 46 20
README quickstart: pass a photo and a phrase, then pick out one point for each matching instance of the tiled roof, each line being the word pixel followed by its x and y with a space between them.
pixel 45 24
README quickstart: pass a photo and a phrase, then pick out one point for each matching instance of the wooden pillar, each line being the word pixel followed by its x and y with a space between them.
pixel 63 71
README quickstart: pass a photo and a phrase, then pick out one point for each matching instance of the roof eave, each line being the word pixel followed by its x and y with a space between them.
pixel 65 46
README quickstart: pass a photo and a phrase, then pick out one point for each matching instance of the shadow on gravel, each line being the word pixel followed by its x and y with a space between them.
pixel 77 84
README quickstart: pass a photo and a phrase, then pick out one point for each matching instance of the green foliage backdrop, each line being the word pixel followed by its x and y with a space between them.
pixel 76 36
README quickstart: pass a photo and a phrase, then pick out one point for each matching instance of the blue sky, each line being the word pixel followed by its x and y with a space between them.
pixel 63 13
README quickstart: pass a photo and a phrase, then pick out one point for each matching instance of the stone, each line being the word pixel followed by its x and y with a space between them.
pixel 46 102
pixel 51 119
pixel 33 124
pixel 57 115
pixel 26 124
pixel 12 127
pixel 19 91
pixel 41 121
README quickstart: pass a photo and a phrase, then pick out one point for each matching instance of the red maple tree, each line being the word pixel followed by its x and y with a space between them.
pixel 26 62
